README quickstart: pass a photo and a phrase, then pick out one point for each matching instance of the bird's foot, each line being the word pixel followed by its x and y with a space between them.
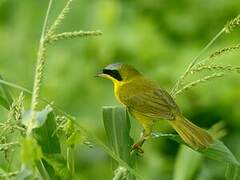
pixel 137 147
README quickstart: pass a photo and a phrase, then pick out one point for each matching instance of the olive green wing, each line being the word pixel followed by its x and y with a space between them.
pixel 157 104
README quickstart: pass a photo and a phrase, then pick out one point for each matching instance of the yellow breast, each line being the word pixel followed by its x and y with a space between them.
pixel 117 87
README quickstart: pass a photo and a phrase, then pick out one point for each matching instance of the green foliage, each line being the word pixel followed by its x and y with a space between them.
pixel 73 135
pixel 187 164
pixel 7 175
pixel 3 102
pixel 232 172
pixel 5 96
pixel 117 126
pixel 217 151
pixel 44 132
pixel 30 151
pixel 59 165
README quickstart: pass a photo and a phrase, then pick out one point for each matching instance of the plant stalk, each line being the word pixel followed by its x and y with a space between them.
pixel 39 72
pixel 180 80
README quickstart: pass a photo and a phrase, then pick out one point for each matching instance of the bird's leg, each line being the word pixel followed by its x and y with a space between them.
pixel 137 145
pixel 144 135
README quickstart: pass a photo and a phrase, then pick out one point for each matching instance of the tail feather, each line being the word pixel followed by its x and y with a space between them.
pixel 193 135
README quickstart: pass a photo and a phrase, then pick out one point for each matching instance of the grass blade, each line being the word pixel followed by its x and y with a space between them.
pixel 4 103
pixel 6 98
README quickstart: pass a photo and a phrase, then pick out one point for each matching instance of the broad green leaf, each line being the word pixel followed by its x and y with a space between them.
pixel 44 134
pixel 187 164
pixel 46 138
pixel 30 151
pixel 117 126
pixel 59 165
pixel 217 151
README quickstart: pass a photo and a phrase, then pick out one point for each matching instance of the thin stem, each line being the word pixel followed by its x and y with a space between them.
pixel 176 86
pixel 46 20
pixel 39 71
pixel 194 83
pixel 70 160
pixel 59 19
pixel 15 86
pixel 42 170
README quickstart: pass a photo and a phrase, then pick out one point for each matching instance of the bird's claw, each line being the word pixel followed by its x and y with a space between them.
pixel 137 147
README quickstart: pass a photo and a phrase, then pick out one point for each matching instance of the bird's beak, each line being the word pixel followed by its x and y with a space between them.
pixel 101 75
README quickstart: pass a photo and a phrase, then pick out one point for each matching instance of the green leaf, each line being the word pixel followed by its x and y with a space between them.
pixel 187 164
pixel 117 126
pixel 30 151
pixel 44 133
pixel 217 151
pixel 59 165
pixel 4 103
pixel 46 137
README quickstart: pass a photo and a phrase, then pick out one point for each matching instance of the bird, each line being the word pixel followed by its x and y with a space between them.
pixel 148 103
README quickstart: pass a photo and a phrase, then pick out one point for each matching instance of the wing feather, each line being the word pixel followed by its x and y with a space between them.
pixel 156 104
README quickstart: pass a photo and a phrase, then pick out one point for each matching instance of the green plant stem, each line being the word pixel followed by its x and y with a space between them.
pixel 180 80
pixel 42 170
pixel 39 71
pixel 15 86
pixel 70 160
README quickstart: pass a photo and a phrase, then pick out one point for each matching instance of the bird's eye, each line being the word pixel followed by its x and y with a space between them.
pixel 113 73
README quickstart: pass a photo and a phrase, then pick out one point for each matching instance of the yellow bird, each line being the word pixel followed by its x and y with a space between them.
pixel 148 103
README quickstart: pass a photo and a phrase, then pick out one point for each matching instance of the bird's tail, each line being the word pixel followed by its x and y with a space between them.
pixel 193 135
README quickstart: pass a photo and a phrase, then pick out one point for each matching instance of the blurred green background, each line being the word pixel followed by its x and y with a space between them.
pixel 158 37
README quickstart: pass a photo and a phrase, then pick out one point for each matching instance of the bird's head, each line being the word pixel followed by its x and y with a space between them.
pixel 119 72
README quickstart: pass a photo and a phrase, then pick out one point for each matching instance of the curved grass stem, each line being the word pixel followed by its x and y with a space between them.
pixel 195 60
pixel 39 71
